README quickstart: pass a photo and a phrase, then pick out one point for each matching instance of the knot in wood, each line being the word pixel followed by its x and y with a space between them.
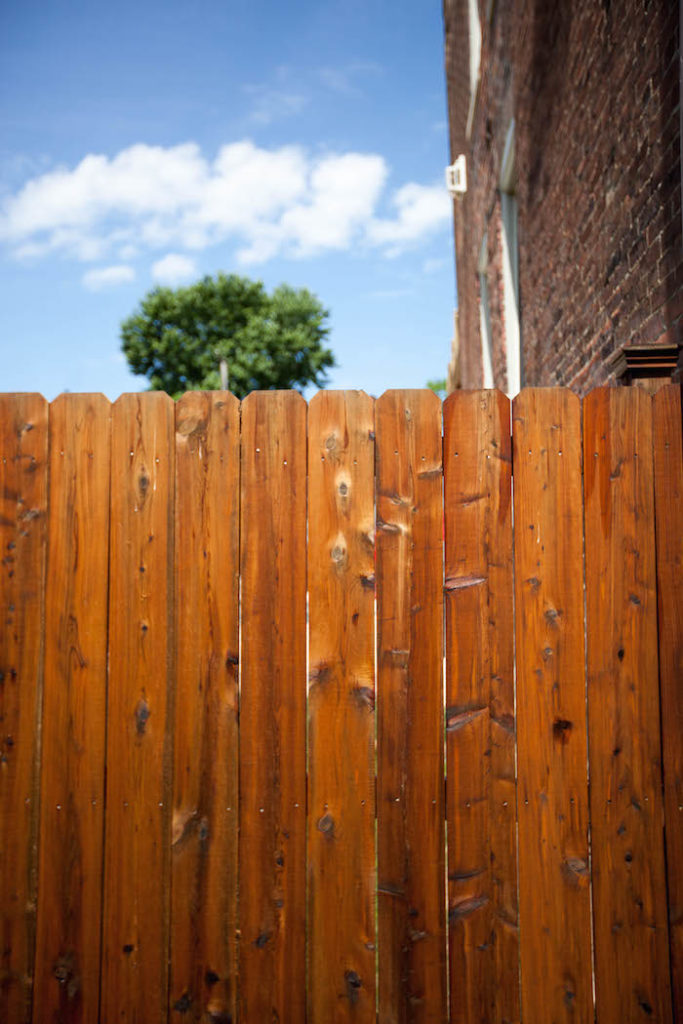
pixel 353 986
pixel 551 616
pixel 326 825
pixel 339 555
pixel 192 424
pixel 62 971
pixel 142 714
pixel 561 729
pixel 183 1004
pixel 364 696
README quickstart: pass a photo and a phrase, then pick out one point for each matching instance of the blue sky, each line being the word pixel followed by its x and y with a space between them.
pixel 149 142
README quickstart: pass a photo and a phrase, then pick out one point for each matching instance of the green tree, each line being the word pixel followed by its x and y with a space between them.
pixel 179 337
pixel 438 387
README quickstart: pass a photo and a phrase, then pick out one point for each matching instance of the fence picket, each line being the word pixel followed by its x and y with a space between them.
pixel 67 982
pixel 23 529
pixel 668 454
pixel 272 843
pixel 552 797
pixel 410 736
pixel 138 791
pixel 204 824
pixel 341 835
pixel 629 886
pixel 480 709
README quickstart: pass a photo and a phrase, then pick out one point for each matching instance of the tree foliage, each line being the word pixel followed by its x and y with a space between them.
pixel 438 387
pixel 178 337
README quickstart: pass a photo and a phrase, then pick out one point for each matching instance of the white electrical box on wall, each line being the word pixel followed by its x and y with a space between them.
pixel 456 177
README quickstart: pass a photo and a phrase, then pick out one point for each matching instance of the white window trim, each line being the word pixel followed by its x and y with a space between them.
pixel 508 206
pixel 485 315
pixel 507 164
pixel 475 59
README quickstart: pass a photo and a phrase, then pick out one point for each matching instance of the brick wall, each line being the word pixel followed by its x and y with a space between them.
pixel 593 87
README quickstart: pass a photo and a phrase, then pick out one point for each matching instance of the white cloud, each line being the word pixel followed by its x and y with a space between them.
pixel 343 80
pixel 343 193
pixel 266 202
pixel 129 252
pixel 337 80
pixel 421 209
pixel 173 269
pixel 273 104
pixel 108 277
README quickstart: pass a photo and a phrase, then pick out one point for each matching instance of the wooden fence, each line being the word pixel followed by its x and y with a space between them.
pixel 190 831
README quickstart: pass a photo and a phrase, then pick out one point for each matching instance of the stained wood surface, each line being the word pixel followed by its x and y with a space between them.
pixel 272 844
pixel 192 867
pixel 552 797
pixel 668 456
pixel 341 735
pixel 629 885
pixel 67 981
pixel 23 526
pixel 205 815
pixel 480 709
pixel 410 766
pixel 137 834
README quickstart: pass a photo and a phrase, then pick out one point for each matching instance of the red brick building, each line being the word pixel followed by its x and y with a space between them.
pixel 565 132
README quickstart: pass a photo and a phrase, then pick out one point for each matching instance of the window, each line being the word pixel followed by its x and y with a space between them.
pixel 485 315
pixel 508 207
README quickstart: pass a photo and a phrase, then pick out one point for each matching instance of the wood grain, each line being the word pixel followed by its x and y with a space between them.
pixel 145 532
pixel 23 530
pixel 272 844
pixel 552 796
pixel 629 884
pixel 67 983
pixel 668 456
pixel 341 584
pixel 204 824
pixel 137 833
pixel 410 756
pixel 480 709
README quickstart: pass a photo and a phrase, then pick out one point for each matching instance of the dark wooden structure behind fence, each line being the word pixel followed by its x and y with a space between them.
pixel 236 783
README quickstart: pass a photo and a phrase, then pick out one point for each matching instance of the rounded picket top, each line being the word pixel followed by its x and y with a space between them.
pixel 20 413
pixel 323 393
pixel 93 396
pixel 354 405
pixel 530 399
pixel 416 395
pixel 21 396
pixel 339 421
pixel 454 396
pixel 200 403
pixel 151 398
pixel 272 393
pixel 219 398
pixel 77 403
